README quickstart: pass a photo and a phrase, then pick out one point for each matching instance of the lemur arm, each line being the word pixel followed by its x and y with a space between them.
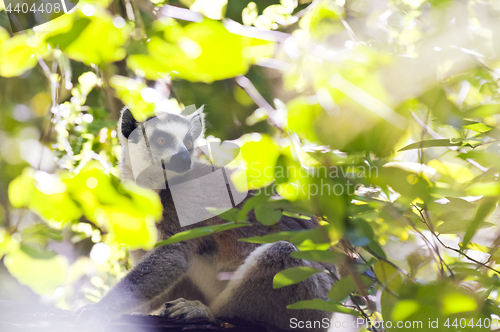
pixel 154 274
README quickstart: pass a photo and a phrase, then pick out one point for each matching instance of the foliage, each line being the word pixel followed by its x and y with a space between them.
pixel 381 121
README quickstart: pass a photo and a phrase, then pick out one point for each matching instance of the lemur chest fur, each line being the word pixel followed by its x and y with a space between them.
pixel 209 270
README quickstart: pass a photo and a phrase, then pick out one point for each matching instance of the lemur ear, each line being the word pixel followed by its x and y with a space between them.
pixel 127 123
pixel 197 120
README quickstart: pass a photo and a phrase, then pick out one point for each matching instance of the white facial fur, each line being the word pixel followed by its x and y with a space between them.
pixel 143 160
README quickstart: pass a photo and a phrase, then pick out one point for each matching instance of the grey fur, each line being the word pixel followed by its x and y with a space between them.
pixel 189 270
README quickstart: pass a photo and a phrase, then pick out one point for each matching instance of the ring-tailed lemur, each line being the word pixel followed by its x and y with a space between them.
pixel 186 277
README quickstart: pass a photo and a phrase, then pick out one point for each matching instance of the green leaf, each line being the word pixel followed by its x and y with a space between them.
pixel 377 248
pixel 431 143
pixel 454 303
pixel 259 198
pixel 478 127
pixel 323 305
pixel 301 116
pixel 493 307
pixel 38 253
pixel 270 238
pixel 388 275
pixel 441 107
pixel 345 286
pixel 458 226
pixel 482 111
pixel 485 208
pixel 96 42
pixel 266 215
pixel 229 215
pixel 43 232
pixel 458 204
pixel 359 232
pixel 200 232
pixel 64 39
pixel 293 275
pixel 281 171
pixel 324 256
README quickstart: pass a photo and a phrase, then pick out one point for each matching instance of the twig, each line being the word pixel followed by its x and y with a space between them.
pixel 429 225
pixel 421 147
pixel 5 205
pixel 250 89
pixel 45 133
pixel 363 313
pixel 147 7
pixel 434 247
pixel 358 307
pixel 465 255
pixel 114 104
pixel 457 250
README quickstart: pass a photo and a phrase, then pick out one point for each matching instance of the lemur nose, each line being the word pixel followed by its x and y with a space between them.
pixel 181 161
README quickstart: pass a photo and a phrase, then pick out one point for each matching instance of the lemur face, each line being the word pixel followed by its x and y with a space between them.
pixel 166 140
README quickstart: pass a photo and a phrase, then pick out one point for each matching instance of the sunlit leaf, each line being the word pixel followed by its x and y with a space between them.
pixel 478 127
pixel 259 166
pixel 20 53
pixel 127 229
pixel 44 194
pixel 41 275
pixel 458 172
pixel 456 302
pixel 199 52
pixel 404 309
pixel 93 39
pixel 126 210
pixel 322 19
pixel 64 39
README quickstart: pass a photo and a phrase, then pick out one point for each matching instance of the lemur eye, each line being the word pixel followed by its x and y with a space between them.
pixel 161 140
pixel 189 144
